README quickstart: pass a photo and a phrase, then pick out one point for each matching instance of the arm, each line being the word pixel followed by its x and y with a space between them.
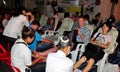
pixel 81 35
pixel 46 40
pixel 84 35
pixel 37 58
pixel 103 45
pixel 99 43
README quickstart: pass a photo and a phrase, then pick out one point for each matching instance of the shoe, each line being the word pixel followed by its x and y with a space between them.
pixel 77 70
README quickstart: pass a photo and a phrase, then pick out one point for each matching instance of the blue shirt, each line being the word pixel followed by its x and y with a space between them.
pixel 47 27
pixel 37 38
pixel 86 32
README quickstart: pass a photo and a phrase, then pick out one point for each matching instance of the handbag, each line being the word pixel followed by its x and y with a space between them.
pixel 94 48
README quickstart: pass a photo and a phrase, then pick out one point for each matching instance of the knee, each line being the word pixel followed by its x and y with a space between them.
pixel 91 61
pixel 83 59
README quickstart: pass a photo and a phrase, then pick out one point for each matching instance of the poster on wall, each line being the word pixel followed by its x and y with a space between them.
pixel 89 7
pixel 73 9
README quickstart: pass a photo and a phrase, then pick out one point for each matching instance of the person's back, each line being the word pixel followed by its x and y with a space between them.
pixel 20 55
pixel 15 26
pixel 58 62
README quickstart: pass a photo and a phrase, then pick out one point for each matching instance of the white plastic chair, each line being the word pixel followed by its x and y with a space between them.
pixel 104 60
pixel 51 32
pixel 67 25
pixel 43 20
pixel 79 49
pixel 114 34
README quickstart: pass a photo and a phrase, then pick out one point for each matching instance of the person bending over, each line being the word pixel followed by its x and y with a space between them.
pixel 21 55
pixel 58 62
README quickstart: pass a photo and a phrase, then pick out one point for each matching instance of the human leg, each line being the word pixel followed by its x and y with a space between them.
pixel 9 41
pixel 43 46
pixel 95 57
pixel 79 62
pixel 91 61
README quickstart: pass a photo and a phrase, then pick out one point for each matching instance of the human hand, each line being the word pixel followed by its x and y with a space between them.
pixel 79 32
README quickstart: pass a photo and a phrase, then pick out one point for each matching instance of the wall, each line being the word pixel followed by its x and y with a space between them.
pixel 30 4
pixel 105 9
pixel 117 11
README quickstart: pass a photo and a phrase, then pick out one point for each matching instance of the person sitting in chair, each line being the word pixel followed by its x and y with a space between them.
pixel 81 33
pixel 91 55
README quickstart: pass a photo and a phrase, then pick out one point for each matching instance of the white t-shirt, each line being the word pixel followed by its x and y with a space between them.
pixel 15 26
pixel 103 38
pixel 20 55
pixel 58 62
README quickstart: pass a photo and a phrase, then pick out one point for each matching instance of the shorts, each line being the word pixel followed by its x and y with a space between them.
pixel 94 55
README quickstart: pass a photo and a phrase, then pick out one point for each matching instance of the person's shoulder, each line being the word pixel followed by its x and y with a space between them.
pixel 109 36
pixel 68 19
pixel 69 61
pixel 22 16
pixel 37 34
pixel 20 42
pixel 51 55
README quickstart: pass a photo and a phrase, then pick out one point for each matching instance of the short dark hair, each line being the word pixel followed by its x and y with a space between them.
pixel 82 16
pixel 87 16
pixel 18 11
pixel 51 18
pixel 22 9
pixel 36 23
pixel 108 24
pixel 66 14
pixel 64 41
pixel 27 32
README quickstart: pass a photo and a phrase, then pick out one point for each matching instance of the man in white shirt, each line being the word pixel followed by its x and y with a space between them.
pixel 58 62
pixel 15 25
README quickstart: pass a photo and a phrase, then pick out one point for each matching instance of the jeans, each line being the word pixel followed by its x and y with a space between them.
pixel 9 40
pixel 43 46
